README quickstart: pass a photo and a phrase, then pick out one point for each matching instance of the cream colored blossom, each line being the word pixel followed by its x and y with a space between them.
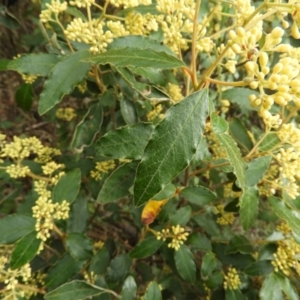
pixel 101 168
pixel 66 113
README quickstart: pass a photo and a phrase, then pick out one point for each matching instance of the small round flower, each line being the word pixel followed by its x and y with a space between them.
pixel 231 279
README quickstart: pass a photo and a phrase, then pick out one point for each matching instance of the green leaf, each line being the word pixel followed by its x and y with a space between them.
pixel 240 134
pixel 287 287
pixel 219 125
pixel 249 202
pixel 128 111
pixel 128 289
pixel 14 227
pixel 63 77
pixel 198 195
pixel 79 215
pixel 206 222
pixel 117 185
pixel 199 241
pixel 24 96
pixel 234 295
pixel 168 191
pixel 172 146
pixel 75 290
pixel 240 96
pixel 4 64
pixel 139 42
pixel 271 288
pixel 257 169
pixel 7 19
pixel 73 11
pixel 67 187
pixel 87 129
pixel 182 216
pixel 146 247
pixel 285 213
pixel 132 56
pixel 269 142
pixel 209 263
pixel 239 243
pixel 234 156
pixel 66 267
pixel 259 268
pixel 153 292
pixel 25 250
pixel 127 142
pixel 100 261
pixel 79 246
pixel 119 268
pixel 185 263
pixel 34 64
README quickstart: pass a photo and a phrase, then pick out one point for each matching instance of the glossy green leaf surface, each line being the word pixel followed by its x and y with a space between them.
pixel 24 96
pixel 63 78
pixel 128 111
pixel 79 214
pixel 153 292
pixel 140 42
pixel 249 202
pixel 239 243
pixel 285 213
pixel 64 269
pixel 271 289
pixel 128 289
pixel 219 125
pixel 131 56
pixel 14 227
pixel 208 264
pixel 198 195
pixel 199 241
pixel 87 129
pixel 79 246
pixel 25 250
pixel 75 290
pixel 182 216
pixel 269 142
pixel 100 261
pixel 67 187
pixel 185 263
pixel 118 268
pixel 257 169
pixel 172 146
pixel 127 142
pixel 34 64
pixel 117 185
pixel 146 247
pixel 240 134
pixel 259 268
pixel 234 156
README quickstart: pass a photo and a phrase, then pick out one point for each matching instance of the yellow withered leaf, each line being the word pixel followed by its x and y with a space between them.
pixel 151 210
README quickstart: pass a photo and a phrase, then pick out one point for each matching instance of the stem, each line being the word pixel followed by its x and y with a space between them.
pixel 31 288
pixel 98 81
pixel 258 9
pixel 34 176
pixel 209 71
pixel 61 234
pixel 208 167
pixel 194 40
pixel 222 31
pixel 237 83
pixel 63 31
pixel 257 144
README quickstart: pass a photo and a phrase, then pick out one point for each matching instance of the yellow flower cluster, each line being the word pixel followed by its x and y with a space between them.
pixel 177 234
pixel 156 112
pixel 29 79
pixel 231 279
pixel 56 7
pixel 13 279
pixel 66 114
pixel 45 211
pixel 102 167
pixel 89 32
pixel 286 256
pixel 174 91
pixel 226 218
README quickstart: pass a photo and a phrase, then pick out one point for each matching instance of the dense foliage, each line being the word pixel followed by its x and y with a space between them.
pixel 169 167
